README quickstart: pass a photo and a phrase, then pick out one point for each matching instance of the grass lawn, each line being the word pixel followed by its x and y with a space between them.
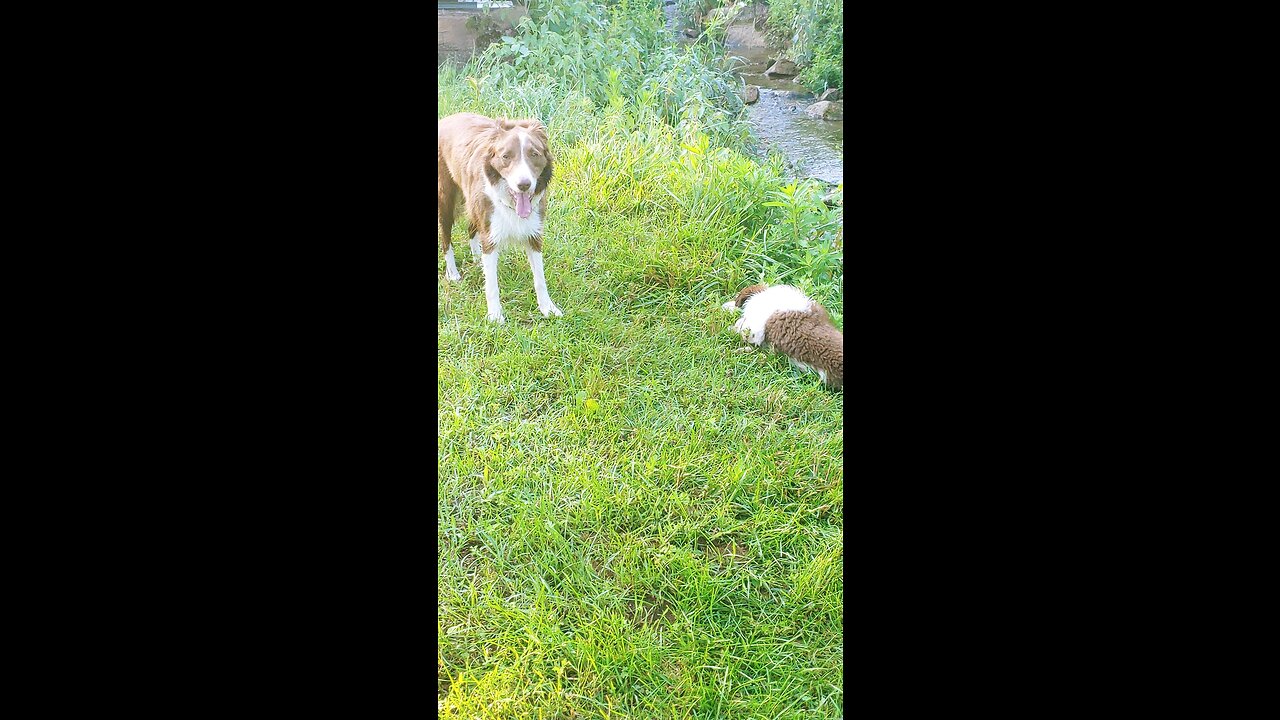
pixel 639 517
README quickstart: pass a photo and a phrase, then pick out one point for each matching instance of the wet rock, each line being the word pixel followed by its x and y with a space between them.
pixel 830 94
pixel 745 37
pixel 782 68
pixel 751 94
pixel 826 110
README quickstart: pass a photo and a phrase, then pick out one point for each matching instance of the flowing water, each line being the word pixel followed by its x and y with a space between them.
pixel 814 148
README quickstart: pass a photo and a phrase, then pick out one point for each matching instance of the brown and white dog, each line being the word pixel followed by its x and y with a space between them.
pixel 500 170
pixel 782 317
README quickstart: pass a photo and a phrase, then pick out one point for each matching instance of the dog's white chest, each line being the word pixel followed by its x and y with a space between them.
pixel 506 227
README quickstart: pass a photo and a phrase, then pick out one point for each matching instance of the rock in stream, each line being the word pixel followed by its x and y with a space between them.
pixel 781 68
pixel 826 110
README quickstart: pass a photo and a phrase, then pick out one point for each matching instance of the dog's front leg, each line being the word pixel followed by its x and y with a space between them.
pixel 545 305
pixel 489 260
pixel 450 267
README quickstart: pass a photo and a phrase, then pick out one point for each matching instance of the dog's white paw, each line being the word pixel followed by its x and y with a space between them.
pixel 549 309
pixel 452 274
pixel 495 316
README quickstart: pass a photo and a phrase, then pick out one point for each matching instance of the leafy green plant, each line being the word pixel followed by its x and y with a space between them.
pixel 488 29
pixel 617 54
pixel 808 229
pixel 693 11
pixel 812 31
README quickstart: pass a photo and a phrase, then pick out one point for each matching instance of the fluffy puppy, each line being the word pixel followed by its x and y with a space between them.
pixel 784 319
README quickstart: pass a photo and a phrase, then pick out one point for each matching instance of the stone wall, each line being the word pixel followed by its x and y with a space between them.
pixel 455 42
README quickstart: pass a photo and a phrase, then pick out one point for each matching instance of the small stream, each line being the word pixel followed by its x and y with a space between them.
pixel 814 148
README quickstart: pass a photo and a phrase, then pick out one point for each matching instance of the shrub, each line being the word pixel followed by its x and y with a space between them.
pixel 813 31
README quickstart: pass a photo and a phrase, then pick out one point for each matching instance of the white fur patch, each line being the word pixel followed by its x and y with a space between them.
pixel 805 366
pixel 758 308
pixel 505 226
pixel 450 268
pixel 524 171
pixel 494 305
pixel 545 306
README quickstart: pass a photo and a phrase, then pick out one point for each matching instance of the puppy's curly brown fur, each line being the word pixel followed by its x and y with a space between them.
pixel 783 318
pixel 808 336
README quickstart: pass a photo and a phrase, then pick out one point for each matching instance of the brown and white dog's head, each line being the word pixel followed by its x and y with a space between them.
pixel 517 161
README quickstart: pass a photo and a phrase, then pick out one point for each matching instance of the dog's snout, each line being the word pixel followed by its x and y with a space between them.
pixel 524 185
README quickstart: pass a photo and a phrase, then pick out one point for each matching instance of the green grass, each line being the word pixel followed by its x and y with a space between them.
pixel 639 516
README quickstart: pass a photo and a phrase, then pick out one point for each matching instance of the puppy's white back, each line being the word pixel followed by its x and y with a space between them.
pixel 760 306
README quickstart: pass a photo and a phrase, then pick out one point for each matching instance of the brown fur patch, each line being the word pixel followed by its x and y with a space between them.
pixel 479 209
pixel 809 337
pixel 747 292
pixel 446 200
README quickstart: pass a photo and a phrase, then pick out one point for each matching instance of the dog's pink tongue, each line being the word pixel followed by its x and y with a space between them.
pixel 523 207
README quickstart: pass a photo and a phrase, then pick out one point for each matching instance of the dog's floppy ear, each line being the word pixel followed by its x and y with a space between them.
pixel 488 151
pixel 539 132
pixel 545 178
pixel 746 293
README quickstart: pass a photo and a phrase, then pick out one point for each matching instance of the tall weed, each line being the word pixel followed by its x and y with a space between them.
pixel 813 31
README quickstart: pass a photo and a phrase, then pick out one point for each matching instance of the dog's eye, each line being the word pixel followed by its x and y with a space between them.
pixel 506 156
pixel 535 153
